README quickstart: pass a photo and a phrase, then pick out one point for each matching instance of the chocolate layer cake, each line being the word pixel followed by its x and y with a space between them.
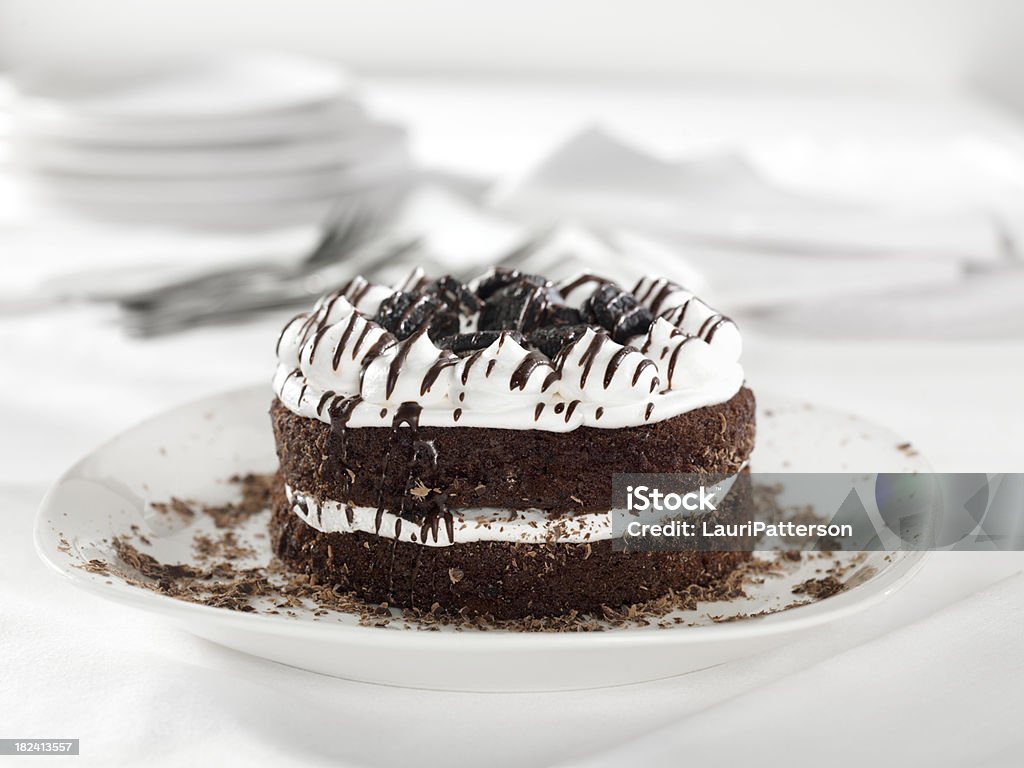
pixel 454 445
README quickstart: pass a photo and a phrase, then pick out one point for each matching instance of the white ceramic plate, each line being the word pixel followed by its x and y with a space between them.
pixel 330 119
pixel 216 99
pixel 188 452
pixel 378 201
pixel 231 160
pixel 381 167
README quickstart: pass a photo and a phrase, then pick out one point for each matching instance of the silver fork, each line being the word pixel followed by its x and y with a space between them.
pixel 345 249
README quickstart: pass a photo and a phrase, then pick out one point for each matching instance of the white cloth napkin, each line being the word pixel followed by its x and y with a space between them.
pixel 872 263
pixel 946 689
pixel 723 198
pixel 980 305
pixel 464 238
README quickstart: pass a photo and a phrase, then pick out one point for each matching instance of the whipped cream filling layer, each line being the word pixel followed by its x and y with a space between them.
pixel 529 526
pixel 526 526
pixel 337 360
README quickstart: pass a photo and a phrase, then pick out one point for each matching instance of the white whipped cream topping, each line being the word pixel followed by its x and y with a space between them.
pixel 488 380
pixel 366 296
pixel 687 360
pixel 690 315
pixel 597 370
pixel 529 526
pixel 400 374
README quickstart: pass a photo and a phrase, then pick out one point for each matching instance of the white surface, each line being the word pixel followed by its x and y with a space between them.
pixel 853 729
pixel 188 452
pixel 122 680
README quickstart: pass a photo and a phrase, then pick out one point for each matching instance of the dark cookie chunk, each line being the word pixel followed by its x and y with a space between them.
pixel 462 343
pixel 562 314
pixel 521 306
pixel 500 277
pixel 455 295
pixel 443 323
pixel 405 313
pixel 554 338
pixel 619 311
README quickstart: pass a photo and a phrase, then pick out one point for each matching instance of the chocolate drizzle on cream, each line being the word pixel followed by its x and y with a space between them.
pixel 470 362
pixel 656 293
pixel 712 324
pixel 682 309
pixel 675 356
pixel 490 378
pixel 357 289
pixel 586 279
pixel 323 400
pixel 590 355
pixel 445 361
pixel 616 361
pixel 522 374
pixel 398 360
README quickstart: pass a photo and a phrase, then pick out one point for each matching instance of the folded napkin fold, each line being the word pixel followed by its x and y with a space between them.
pixel 461 238
pixel 722 198
pixel 896 263
pixel 946 689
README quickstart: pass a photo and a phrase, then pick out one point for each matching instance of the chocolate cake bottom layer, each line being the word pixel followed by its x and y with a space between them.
pixel 501 579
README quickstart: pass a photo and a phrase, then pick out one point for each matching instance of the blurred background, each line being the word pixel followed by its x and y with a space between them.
pixel 846 179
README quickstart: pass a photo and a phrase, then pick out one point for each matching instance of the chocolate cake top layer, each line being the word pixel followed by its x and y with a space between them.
pixel 508 350
pixel 370 478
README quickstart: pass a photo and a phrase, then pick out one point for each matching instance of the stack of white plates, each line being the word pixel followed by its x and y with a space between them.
pixel 246 140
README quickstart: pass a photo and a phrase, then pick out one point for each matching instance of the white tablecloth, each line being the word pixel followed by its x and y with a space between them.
pixel 73 666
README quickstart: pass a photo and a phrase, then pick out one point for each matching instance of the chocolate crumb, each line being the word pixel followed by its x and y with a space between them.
pixel 255 498
pixel 220 578
pixel 179 507
pixel 821 588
